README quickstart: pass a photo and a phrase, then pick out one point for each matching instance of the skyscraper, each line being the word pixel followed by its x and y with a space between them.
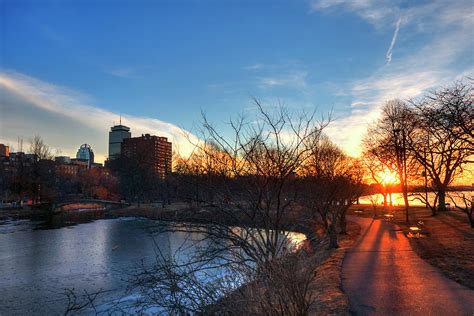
pixel 152 152
pixel 116 136
pixel 85 153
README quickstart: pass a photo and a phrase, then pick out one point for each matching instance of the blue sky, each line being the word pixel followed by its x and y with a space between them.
pixel 69 68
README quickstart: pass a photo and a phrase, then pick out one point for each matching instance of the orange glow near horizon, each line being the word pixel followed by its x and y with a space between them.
pixel 388 177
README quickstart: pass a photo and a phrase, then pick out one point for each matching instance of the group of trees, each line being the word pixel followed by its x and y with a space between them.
pixel 137 181
pixel 279 173
pixel 426 139
pixel 29 175
pixel 274 174
pixel 270 172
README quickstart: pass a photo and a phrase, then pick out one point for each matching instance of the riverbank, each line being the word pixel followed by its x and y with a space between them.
pixel 330 298
pixel 203 213
pixel 23 213
pixel 313 273
pixel 323 264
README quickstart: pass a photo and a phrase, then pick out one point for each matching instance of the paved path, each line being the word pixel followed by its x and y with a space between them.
pixel 382 275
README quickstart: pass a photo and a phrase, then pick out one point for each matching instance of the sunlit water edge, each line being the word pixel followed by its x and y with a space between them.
pixel 414 199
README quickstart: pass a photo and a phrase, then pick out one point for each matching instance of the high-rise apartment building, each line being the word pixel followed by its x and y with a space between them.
pixel 116 136
pixel 150 151
pixel 4 150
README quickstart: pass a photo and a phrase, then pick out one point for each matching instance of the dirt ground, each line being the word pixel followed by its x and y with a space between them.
pixel 329 297
pixel 447 242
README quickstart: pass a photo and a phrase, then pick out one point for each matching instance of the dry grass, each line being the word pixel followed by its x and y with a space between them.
pixel 326 295
pixel 449 246
pixel 330 299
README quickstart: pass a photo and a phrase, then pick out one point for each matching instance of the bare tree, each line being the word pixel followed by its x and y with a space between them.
pixel 175 286
pixel 442 140
pixel 285 287
pixel 259 164
pixel 457 111
pixel 388 141
pixel 374 201
pixel 248 199
pixel 178 287
pixel 41 177
pixel 424 198
pixel 375 169
pixel 39 149
pixel 80 302
pixel 332 182
pixel 464 203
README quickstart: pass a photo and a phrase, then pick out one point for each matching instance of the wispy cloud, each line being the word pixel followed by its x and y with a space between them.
pixel 256 66
pixel 388 55
pixel 374 12
pixel 291 80
pixel 122 72
pixel 446 38
pixel 66 118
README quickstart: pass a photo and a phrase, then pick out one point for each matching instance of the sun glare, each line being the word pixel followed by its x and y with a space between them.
pixel 388 177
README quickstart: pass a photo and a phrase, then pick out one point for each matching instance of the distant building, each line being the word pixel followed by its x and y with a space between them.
pixel 20 156
pixel 67 170
pixel 116 136
pixel 15 162
pixel 65 166
pixel 153 151
pixel 85 154
pixel 4 150
pixel 62 159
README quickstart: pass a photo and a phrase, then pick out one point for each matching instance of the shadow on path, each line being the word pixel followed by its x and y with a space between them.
pixel 383 276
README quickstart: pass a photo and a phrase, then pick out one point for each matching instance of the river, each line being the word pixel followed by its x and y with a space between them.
pixel 37 261
pixel 397 198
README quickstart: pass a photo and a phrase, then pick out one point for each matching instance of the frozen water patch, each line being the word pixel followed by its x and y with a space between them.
pixel 11 225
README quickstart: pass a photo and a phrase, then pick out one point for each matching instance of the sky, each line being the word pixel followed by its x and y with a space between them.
pixel 69 69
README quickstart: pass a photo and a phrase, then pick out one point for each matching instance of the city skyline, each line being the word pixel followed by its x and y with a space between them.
pixel 237 157
pixel 68 78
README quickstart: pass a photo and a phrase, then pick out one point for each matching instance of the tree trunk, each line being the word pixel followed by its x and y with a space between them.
pixel 405 199
pixel 441 199
pixel 469 216
pixel 343 223
pixel 332 232
pixel 312 237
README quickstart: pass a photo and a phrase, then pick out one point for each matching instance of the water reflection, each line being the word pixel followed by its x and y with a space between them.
pixel 38 262
pixel 397 198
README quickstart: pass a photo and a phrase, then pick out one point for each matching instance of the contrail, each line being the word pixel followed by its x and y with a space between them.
pixel 388 56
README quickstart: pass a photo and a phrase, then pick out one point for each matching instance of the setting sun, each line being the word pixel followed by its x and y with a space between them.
pixel 214 157
pixel 388 177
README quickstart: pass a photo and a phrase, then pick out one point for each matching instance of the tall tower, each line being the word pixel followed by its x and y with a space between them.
pixel 86 153
pixel 116 136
